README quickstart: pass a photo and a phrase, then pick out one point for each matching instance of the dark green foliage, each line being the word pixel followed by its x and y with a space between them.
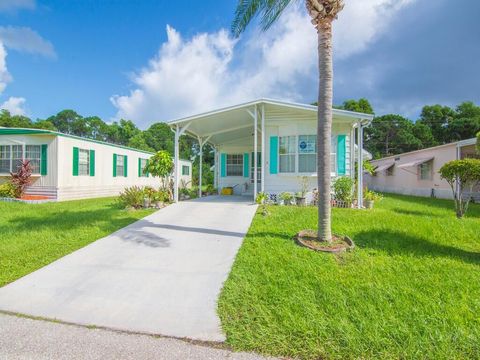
pixel 343 188
pixel 8 190
pixel 132 197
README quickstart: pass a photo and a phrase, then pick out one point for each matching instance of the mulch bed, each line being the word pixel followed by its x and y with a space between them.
pixel 34 197
pixel 309 239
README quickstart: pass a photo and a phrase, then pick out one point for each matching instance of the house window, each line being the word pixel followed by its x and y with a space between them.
pixel 307 153
pixel 33 153
pixel 287 154
pixel 5 159
pixel 83 162
pixel 234 165
pixel 143 165
pixel 120 165
pixel 185 170
pixel 425 171
pixel 17 157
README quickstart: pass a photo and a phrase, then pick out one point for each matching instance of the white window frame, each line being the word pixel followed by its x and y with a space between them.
pixel 120 166
pixel 37 161
pixel 83 166
pixel 289 154
pixel 143 165
pixel 239 163
pixel 183 170
pixel 430 171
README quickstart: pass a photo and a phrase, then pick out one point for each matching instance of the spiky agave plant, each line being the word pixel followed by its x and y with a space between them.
pixel 322 13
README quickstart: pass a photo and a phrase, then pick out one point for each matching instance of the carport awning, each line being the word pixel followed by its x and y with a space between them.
pixel 385 166
pixel 415 163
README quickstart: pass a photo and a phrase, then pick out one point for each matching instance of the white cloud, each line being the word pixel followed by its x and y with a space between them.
pixel 211 70
pixel 12 5
pixel 26 40
pixel 15 105
pixel 5 77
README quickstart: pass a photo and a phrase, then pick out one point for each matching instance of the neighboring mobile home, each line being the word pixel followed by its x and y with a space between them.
pixel 69 167
pixel 281 136
pixel 416 172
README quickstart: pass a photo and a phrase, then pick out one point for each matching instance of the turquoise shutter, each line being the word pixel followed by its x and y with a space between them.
pixel 139 167
pixel 92 162
pixel 273 154
pixel 341 154
pixel 246 164
pixel 43 165
pixel 75 161
pixel 114 165
pixel 223 165
pixel 125 166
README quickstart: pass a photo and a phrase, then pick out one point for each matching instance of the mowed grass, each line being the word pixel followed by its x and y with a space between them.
pixel 410 290
pixel 34 235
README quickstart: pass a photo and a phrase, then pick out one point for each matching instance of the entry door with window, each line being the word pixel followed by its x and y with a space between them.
pixel 259 167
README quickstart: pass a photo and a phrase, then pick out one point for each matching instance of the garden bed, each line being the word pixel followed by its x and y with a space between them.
pixel 29 199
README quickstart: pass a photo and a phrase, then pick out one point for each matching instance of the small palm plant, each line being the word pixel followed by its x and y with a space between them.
pixel 322 13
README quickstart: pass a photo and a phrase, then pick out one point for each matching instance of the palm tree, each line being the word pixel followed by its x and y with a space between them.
pixel 322 12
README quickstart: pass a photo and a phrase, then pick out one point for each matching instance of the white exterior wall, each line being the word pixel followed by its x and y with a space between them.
pixel 41 185
pixel 286 126
pixel 185 179
pixel 103 183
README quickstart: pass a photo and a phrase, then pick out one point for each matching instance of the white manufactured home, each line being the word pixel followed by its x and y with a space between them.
pixel 67 167
pixel 281 136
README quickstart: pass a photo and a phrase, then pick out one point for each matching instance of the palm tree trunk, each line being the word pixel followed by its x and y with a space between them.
pixel 324 129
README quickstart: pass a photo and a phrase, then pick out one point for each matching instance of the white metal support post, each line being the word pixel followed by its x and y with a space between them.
pixel 215 167
pixel 200 165
pixel 360 165
pixel 255 140
pixel 262 169
pixel 175 165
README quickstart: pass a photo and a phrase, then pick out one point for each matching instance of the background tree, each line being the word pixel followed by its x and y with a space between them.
pixel 461 175
pixel 361 105
pixel 478 142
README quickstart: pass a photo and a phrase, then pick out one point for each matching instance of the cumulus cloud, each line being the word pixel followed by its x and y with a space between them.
pixel 26 40
pixel 212 70
pixel 15 105
pixel 13 5
pixel 5 77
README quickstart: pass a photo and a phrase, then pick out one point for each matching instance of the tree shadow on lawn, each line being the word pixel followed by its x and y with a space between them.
pixel 398 243
pixel 415 212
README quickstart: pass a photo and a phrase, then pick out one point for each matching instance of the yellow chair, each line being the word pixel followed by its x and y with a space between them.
pixel 227 191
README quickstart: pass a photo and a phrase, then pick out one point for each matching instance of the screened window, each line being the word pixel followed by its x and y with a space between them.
pixel 287 153
pixel 120 165
pixel 83 162
pixel 143 165
pixel 185 170
pixel 34 154
pixel 426 171
pixel 17 157
pixel 5 159
pixel 307 153
pixel 234 165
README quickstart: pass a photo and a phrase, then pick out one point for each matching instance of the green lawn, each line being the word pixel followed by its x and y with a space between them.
pixel 411 289
pixel 34 235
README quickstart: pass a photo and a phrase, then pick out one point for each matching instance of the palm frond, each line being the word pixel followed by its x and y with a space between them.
pixel 247 10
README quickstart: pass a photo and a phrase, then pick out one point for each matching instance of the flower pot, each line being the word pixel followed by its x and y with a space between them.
pixel 281 202
pixel 146 203
pixel 158 204
pixel 301 201
pixel 369 204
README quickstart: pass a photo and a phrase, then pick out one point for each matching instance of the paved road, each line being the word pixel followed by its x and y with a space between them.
pixel 161 275
pixel 38 340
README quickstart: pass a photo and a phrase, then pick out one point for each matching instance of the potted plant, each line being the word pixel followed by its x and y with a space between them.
pixel 370 197
pixel 285 198
pixel 300 196
pixel 148 193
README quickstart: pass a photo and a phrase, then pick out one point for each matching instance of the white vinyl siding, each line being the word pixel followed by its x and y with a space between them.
pixel 287 154
pixel 83 162
pixel 234 164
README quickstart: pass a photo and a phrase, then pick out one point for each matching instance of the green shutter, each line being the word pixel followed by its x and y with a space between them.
pixel 114 165
pixel 273 154
pixel 125 165
pixel 341 154
pixel 92 162
pixel 223 165
pixel 75 161
pixel 139 167
pixel 246 165
pixel 43 165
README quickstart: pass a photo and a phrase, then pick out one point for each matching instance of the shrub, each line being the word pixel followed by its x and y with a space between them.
pixel 161 195
pixel 262 199
pixel 464 173
pixel 286 196
pixel 343 188
pixel 372 196
pixel 22 178
pixel 8 190
pixel 132 197
pixel 149 192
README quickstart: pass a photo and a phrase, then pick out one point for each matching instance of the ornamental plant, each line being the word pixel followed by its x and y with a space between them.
pixel 461 175
pixel 160 165
pixel 8 190
pixel 343 188
pixel 22 178
pixel 132 197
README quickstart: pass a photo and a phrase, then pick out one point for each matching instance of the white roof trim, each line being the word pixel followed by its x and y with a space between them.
pixel 385 166
pixel 352 114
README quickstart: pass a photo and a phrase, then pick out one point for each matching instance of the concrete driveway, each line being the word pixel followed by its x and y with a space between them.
pixel 160 275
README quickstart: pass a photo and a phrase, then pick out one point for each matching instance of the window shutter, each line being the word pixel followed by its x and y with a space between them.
pixel 223 165
pixel 341 154
pixel 92 162
pixel 43 165
pixel 246 164
pixel 139 167
pixel 125 165
pixel 273 154
pixel 75 161
pixel 114 165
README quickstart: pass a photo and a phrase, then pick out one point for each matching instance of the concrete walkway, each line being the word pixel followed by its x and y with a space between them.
pixel 35 339
pixel 160 275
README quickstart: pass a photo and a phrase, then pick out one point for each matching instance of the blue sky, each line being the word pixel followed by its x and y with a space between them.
pixel 151 60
